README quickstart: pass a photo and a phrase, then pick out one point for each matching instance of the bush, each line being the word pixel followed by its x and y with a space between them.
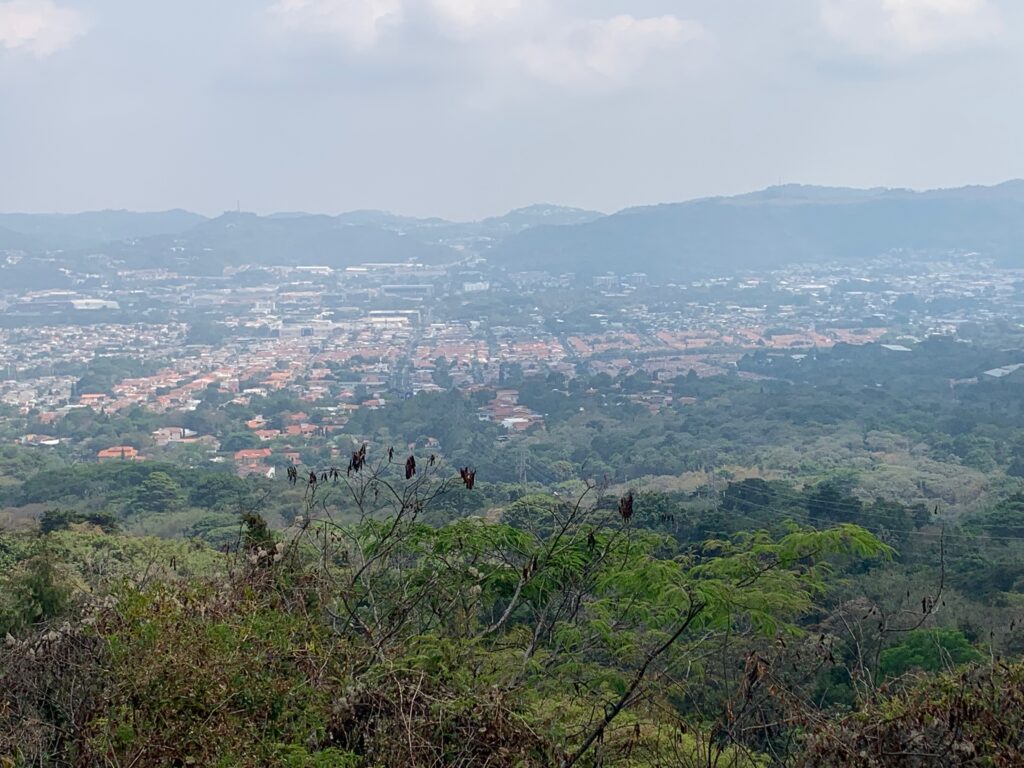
pixel 974 717
pixel 32 592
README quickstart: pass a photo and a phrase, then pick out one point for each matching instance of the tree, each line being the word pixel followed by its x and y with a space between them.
pixel 239 441
pixel 441 374
pixel 510 374
pixel 206 332
pixel 1016 468
pixel 55 520
pixel 158 493
pixel 930 650
pixel 751 496
pixel 584 605
pixel 832 500
pixel 218 489
pixel 61 519
pixel 1005 520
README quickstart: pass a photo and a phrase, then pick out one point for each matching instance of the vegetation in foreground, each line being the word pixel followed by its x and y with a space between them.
pixel 575 637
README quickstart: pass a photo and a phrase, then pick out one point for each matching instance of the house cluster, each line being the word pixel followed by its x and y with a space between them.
pixel 506 411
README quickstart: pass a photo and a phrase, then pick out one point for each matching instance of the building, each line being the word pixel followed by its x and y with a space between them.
pixel 252 456
pixel 119 452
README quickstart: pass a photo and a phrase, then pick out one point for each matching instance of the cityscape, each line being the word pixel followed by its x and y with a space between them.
pixel 366 336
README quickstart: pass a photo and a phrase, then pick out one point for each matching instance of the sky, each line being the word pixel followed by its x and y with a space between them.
pixel 469 108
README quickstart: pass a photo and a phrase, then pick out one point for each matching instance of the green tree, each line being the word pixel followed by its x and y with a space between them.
pixel 930 650
pixel 832 500
pixel 580 603
pixel 158 493
pixel 441 374
pixel 1006 519
pixel 239 441
pixel 207 332
pixel 218 489
pixel 55 520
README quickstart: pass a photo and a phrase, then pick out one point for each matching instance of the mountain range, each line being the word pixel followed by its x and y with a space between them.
pixel 781 225
pixel 775 226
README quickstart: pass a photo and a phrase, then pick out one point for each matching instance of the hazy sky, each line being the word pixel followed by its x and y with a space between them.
pixel 464 108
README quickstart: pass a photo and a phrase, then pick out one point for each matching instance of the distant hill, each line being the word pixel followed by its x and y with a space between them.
pixel 539 215
pixel 245 238
pixel 487 232
pixel 389 220
pixel 180 240
pixel 16 241
pixel 772 227
pixel 776 226
pixel 83 230
pixel 174 238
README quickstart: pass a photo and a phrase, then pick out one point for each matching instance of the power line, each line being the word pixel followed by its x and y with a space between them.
pixel 928 534
pixel 842 509
pixel 547 478
pixel 800 501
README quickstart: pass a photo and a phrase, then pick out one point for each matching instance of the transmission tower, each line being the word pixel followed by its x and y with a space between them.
pixel 521 464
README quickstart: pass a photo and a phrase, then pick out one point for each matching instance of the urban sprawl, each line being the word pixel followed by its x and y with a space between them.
pixel 361 338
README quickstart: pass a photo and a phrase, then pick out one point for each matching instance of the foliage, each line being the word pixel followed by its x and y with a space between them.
pixel 390 642
pixel 158 493
pixel 34 591
pixel 968 718
pixel 931 650
pixel 61 519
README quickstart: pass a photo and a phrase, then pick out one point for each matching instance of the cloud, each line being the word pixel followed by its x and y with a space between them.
pixel 357 23
pixel 470 15
pixel 534 37
pixel 39 27
pixel 360 24
pixel 609 51
pixel 896 29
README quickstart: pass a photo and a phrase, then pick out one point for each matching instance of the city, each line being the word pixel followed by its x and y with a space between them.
pixel 344 340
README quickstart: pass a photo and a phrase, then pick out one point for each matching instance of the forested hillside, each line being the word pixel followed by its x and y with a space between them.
pixel 393 618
